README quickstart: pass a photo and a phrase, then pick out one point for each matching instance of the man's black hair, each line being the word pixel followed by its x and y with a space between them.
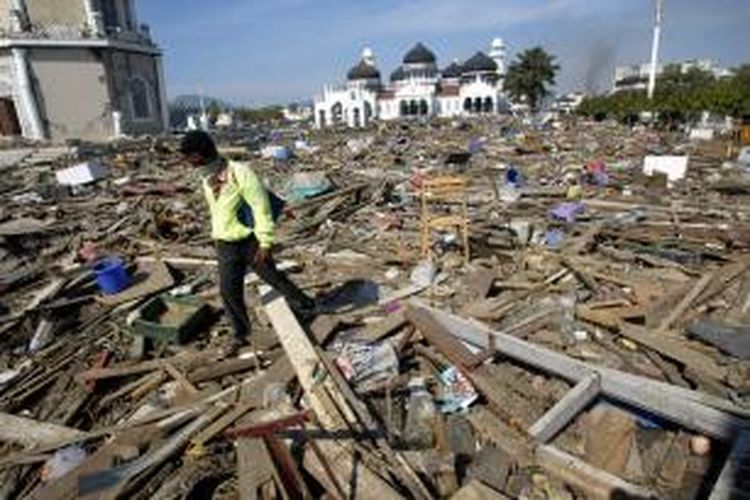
pixel 198 141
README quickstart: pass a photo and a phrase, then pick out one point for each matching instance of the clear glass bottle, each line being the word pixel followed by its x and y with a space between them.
pixel 568 317
pixel 420 416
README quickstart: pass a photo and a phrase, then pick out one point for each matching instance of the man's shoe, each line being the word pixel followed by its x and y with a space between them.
pixel 233 347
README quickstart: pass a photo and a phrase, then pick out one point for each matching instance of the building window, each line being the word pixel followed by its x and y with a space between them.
pixel 140 99
pixel 337 113
pixel 109 15
pixel 488 105
pixel 128 15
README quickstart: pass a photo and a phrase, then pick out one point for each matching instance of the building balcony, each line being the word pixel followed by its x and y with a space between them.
pixel 72 33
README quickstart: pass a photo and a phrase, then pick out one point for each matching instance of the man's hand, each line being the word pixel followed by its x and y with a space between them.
pixel 262 256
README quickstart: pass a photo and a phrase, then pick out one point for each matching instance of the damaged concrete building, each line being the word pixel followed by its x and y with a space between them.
pixel 78 69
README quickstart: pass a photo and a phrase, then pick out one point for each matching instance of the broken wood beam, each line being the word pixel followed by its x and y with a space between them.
pixel 221 369
pixel 686 301
pixel 566 409
pixel 694 410
pixel 674 348
pixel 33 433
pixel 329 405
pixel 596 483
pixel 437 335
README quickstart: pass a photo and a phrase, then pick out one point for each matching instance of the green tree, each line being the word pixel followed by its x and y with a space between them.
pixel 213 110
pixel 680 97
pixel 530 74
pixel 265 114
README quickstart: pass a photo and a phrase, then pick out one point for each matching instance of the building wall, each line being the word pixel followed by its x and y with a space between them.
pixel 6 74
pixel 449 106
pixel 60 12
pixel 73 95
pixel 125 67
pixel 4 15
pixel 353 102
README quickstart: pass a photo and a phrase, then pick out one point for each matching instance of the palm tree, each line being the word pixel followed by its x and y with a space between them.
pixel 529 75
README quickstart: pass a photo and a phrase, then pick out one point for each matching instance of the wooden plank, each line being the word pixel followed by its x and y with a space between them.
pixel 196 443
pixel 674 348
pixel 686 301
pixel 164 419
pixel 147 379
pixel 183 360
pixel 112 483
pixel 181 379
pixel 29 432
pixel 388 325
pixel 66 487
pixel 507 438
pixel 221 369
pixel 693 409
pixel 325 400
pixel 592 481
pixel 254 465
pixel 437 335
pixel 305 361
pixel 566 409
pixel 734 480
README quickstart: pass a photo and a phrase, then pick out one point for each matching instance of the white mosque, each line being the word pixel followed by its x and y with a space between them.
pixel 417 89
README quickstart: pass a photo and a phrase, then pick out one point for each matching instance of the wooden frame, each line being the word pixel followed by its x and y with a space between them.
pixel 694 410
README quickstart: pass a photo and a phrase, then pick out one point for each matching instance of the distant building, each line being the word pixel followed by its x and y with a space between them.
pixel 78 69
pixel 417 88
pixel 566 104
pixel 635 76
pixel 297 112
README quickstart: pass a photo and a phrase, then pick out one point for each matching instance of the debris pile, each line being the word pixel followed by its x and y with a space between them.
pixel 595 344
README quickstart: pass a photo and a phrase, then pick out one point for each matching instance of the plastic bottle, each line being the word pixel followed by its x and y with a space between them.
pixel 420 416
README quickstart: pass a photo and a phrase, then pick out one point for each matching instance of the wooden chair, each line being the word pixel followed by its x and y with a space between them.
pixel 444 206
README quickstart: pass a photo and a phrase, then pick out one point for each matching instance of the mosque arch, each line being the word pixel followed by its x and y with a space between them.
pixel 477 104
pixel 337 113
pixel 403 108
pixel 423 108
pixel 467 104
pixel 413 107
pixel 488 107
pixel 356 117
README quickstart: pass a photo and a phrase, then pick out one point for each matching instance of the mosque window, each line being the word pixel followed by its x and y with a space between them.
pixel 140 99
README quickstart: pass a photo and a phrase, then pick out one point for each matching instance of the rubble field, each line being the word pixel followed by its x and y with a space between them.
pixel 593 342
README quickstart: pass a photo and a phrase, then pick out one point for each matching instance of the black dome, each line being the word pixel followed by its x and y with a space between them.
pixel 419 54
pixel 480 62
pixel 452 71
pixel 398 74
pixel 363 71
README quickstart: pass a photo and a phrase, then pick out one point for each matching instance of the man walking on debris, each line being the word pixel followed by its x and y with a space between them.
pixel 243 213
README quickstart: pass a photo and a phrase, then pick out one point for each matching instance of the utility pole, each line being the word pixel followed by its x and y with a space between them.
pixel 655 49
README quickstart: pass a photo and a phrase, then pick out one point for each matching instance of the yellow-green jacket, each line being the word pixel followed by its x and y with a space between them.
pixel 242 184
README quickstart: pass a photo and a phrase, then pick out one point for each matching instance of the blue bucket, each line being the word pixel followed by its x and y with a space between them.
pixel 111 275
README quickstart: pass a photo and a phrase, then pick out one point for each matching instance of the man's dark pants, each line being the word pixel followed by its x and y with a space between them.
pixel 234 258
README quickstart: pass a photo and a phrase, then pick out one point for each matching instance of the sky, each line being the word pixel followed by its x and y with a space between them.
pixel 257 52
